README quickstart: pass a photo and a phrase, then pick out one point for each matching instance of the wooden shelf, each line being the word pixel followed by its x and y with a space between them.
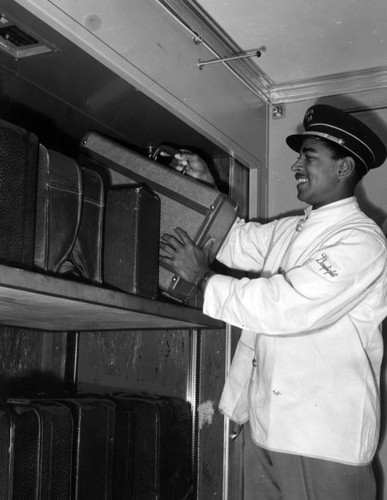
pixel 39 301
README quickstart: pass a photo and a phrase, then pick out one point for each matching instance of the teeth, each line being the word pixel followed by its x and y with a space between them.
pixel 300 180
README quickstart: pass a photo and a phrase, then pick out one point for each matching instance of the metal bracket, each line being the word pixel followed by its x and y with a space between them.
pixel 279 111
pixel 197 39
pixel 251 53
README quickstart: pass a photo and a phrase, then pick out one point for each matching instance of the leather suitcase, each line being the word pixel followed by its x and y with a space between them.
pixel 153 448
pixel 86 255
pixel 47 459
pixel 58 209
pixel 185 202
pixel 19 449
pixel 93 450
pixel 19 153
pixel 131 240
pixel 69 217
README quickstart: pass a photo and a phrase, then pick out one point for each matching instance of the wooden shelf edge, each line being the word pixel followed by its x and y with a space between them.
pixel 36 300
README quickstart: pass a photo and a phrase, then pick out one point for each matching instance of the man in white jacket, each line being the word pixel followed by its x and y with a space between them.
pixel 305 375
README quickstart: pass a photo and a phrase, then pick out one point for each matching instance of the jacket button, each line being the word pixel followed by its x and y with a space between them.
pixel 254 362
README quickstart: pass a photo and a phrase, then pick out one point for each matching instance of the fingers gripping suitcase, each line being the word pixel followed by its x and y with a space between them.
pixel 154 448
pixel 19 153
pixel 69 217
pixel 185 202
pixel 93 451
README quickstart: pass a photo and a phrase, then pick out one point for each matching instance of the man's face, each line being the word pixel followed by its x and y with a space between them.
pixel 316 173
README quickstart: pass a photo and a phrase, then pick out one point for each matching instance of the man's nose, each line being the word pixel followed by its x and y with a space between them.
pixel 297 165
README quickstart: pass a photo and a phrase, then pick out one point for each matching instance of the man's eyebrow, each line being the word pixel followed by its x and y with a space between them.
pixel 308 150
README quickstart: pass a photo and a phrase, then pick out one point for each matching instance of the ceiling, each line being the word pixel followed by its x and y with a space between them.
pixel 309 47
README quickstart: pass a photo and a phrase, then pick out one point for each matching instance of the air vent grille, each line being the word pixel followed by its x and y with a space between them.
pixel 17 42
pixel 14 35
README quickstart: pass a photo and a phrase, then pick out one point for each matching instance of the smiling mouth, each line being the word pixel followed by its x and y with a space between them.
pixel 301 180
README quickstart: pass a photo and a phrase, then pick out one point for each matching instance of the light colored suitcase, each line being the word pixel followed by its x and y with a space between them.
pixel 185 202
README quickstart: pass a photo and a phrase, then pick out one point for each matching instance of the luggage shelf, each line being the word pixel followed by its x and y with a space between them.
pixel 34 300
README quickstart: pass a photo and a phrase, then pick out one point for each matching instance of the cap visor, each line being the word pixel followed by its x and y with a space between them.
pixel 295 141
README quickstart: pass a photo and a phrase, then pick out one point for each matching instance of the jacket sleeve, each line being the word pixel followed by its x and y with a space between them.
pixel 246 245
pixel 332 281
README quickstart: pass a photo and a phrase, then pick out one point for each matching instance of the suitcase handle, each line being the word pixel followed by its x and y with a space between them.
pixel 164 151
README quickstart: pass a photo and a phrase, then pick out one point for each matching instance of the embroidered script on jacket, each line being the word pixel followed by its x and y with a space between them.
pixel 324 267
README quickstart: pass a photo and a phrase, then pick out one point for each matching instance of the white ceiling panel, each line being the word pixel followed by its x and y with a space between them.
pixel 306 40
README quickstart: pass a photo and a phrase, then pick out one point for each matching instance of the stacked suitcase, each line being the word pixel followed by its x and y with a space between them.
pixel 56 219
pixel 121 447
pixel 154 456
pixel 69 217
pixel 19 153
pixel 60 218
pixel 93 446
pixel 37 450
pixel 131 240
pixel 52 208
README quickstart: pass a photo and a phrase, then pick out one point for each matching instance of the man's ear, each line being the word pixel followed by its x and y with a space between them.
pixel 346 168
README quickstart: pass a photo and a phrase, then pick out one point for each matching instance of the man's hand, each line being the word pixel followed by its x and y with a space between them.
pixel 188 260
pixel 193 165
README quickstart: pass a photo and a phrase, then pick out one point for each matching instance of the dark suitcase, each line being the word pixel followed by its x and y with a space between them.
pixel 19 153
pixel 131 240
pixel 86 255
pixel 185 202
pixel 19 453
pixel 58 209
pixel 69 217
pixel 153 448
pixel 49 460
pixel 93 450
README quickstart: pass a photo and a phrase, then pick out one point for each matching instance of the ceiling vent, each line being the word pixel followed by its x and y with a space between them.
pixel 16 42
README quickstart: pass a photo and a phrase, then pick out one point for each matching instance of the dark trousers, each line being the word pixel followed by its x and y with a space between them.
pixel 281 476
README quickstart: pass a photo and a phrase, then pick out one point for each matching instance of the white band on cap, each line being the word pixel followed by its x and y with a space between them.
pixel 348 133
pixel 340 142
pixel 332 138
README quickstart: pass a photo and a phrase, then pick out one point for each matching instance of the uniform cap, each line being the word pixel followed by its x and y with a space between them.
pixel 335 125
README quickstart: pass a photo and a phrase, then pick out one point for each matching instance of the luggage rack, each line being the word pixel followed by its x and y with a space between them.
pixel 39 301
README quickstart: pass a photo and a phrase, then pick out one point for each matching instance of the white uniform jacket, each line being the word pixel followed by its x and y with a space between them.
pixel 306 370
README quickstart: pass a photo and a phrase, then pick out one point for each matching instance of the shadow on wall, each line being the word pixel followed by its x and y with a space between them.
pixel 372 118
pixel 373 211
